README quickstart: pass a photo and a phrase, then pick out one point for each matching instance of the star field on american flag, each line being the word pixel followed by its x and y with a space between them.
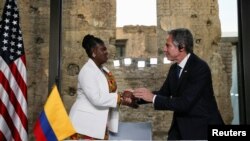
pixel 11 44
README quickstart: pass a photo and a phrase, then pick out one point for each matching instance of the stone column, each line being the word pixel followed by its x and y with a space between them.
pixel 202 18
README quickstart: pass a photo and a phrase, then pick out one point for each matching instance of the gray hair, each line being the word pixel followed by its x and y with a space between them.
pixel 182 38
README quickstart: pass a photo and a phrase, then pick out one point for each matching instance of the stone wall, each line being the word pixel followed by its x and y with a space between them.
pixel 141 40
pixel 203 19
pixel 97 17
pixel 226 45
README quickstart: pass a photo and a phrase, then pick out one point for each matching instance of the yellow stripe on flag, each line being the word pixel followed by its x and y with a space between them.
pixel 57 116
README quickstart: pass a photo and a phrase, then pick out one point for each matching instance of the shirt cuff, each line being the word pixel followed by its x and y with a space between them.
pixel 154 99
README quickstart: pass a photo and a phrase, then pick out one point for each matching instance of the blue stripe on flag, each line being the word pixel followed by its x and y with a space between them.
pixel 47 130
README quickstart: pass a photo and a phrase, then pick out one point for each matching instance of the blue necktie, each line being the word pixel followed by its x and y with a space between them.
pixel 178 70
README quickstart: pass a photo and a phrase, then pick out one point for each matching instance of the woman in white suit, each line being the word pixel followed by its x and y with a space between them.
pixel 95 110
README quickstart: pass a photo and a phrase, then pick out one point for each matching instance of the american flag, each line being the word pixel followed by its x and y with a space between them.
pixel 13 89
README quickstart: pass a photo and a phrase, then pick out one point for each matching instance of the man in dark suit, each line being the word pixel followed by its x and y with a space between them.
pixel 187 91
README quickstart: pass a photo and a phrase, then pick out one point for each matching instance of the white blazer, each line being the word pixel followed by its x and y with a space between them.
pixel 95 108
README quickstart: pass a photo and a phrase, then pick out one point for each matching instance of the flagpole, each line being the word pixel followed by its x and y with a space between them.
pixel 55 48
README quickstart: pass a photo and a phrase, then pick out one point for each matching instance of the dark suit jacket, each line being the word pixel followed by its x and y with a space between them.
pixel 191 97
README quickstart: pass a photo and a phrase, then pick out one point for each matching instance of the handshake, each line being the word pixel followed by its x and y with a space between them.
pixel 131 97
pixel 128 99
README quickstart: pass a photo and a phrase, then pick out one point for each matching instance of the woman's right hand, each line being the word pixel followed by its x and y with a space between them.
pixel 129 99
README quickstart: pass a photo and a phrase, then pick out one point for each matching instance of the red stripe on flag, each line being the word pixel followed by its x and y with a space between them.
pixel 19 78
pixel 6 116
pixel 38 131
pixel 2 137
pixel 23 59
pixel 14 101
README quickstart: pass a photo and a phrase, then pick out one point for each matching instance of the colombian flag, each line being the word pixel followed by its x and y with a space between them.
pixel 53 123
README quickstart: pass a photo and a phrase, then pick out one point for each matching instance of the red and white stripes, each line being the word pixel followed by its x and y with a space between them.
pixel 13 100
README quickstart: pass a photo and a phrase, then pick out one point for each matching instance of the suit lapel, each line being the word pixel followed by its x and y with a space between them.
pixel 173 80
pixel 186 71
